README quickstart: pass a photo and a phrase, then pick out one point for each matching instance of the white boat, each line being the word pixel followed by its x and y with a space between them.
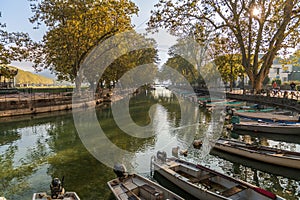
pixel 260 153
pixel 136 187
pixel 206 184
pixel 57 192
pixel 279 128
pixel 270 117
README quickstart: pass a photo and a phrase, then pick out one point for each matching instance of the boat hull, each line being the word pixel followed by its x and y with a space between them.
pixel 268 128
pixel 204 183
pixel 269 155
pixel 268 117
pixel 184 185
pixel 66 196
pixel 137 187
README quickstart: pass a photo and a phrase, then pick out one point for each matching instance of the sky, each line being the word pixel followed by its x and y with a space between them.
pixel 15 13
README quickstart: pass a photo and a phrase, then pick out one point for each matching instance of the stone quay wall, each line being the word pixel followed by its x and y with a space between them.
pixel 13 105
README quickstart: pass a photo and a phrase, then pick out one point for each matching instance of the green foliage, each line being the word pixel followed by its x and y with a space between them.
pixel 229 66
pixel 266 32
pixel 74 29
pixel 118 55
pixel 278 81
pixel 185 68
pixel 7 72
pixel 292 59
pixel 14 46
pixel 188 57
pixel 266 81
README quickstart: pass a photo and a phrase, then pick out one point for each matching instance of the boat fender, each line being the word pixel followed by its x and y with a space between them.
pixel 175 151
pixel 162 156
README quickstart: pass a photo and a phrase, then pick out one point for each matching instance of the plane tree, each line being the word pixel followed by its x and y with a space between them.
pixel 227 60
pixel 259 27
pixel 74 28
pixel 111 60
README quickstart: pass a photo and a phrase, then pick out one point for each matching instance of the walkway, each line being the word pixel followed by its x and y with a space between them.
pixel 290 94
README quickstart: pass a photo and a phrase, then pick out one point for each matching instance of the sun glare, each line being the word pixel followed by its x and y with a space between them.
pixel 256 11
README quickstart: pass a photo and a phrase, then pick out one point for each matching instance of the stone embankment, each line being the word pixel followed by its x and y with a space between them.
pixel 23 104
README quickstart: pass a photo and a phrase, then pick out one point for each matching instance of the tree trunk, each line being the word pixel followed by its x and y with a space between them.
pixel 256 82
pixel 78 86
pixel 92 85
pixel 231 77
pixel 78 81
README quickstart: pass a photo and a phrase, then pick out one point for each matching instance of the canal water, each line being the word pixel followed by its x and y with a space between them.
pixel 34 149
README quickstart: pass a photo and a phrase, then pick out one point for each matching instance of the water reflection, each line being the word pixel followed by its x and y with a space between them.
pixel 34 150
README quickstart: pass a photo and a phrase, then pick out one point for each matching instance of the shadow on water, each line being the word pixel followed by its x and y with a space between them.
pixel 271 136
pixel 37 150
pixel 265 167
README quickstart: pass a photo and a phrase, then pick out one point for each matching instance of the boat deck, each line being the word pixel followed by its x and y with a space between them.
pixel 136 187
pixel 272 116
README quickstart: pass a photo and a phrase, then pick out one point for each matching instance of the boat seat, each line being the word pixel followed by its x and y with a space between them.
pixel 123 196
pixel 149 189
pixel 155 194
pixel 200 179
pixel 206 176
pixel 194 180
pixel 231 191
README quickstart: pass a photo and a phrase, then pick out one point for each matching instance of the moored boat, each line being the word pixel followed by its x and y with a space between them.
pixel 228 103
pixel 261 153
pixel 204 183
pixel 257 166
pixel 269 117
pixel 57 192
pixel 268 127
pixel 136 187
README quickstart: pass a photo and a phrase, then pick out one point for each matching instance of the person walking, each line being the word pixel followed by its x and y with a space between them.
pixel 275 88
pixel 293 86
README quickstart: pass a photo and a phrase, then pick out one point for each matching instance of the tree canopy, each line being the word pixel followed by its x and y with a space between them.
pixel 74 29
pixel 259 27
pixel 14 46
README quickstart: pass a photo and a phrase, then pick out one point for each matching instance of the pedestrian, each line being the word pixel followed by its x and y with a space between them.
pixel 274 85
pixel 293 86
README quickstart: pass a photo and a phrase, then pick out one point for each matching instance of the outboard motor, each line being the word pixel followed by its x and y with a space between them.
pixel 162 156
pixel 56 188
pixel 120 170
